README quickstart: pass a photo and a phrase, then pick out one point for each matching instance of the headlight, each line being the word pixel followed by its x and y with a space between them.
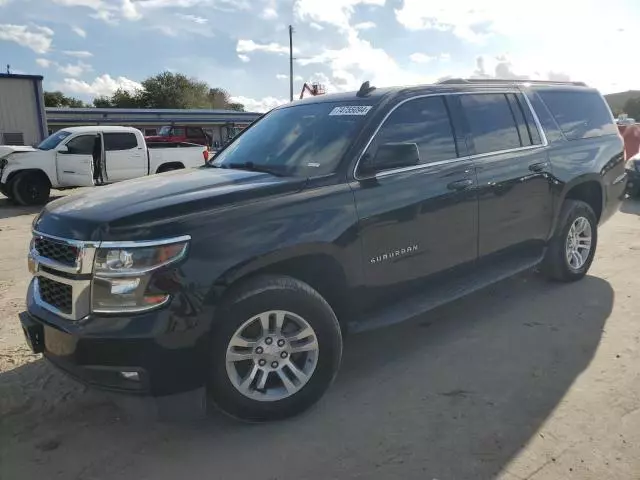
pixel 122 276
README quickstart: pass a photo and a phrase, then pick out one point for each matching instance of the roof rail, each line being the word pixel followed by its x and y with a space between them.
pixel 453 81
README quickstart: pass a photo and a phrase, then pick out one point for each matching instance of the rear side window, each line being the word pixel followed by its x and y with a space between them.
pixel 491 122
pixel 425 122
pixel 119 141
pixel 580 114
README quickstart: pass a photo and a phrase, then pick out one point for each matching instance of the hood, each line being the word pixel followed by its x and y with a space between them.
pixel 8 149
pixel 129 210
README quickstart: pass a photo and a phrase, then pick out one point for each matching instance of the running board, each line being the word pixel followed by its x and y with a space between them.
pixel 444 293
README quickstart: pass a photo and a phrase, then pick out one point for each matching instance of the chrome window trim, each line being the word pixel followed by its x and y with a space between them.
pixel 144 243
pixel 514 90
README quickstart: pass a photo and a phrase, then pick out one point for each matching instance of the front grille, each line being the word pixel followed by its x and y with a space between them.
pixel 58 251
pixel 56 294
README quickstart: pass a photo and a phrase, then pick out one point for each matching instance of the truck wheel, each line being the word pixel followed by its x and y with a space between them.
pixel 572 248
pixel 275 351
pixel 31 188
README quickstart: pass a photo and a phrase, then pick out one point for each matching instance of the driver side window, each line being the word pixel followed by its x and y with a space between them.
pixel 424 122
pixel 81 145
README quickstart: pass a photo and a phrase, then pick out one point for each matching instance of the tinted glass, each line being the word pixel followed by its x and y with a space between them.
pixel 579 114
pixel 301 140
pixel 423 121
pixel 534 133
pixel 491 122
pixel 82 145
pixel 194 133
pixel 119 141
pixel 518 117
pixel 53 140
pixel 178 132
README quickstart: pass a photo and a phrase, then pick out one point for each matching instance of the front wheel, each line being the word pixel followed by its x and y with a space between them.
pixel 30 188
pixel 275 350
pixel 572 248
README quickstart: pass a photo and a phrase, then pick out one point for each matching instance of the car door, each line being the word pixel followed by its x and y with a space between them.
pixel 420 220
pixel 196 135
pixel 74 161
pixel 124 156
pixel 514 174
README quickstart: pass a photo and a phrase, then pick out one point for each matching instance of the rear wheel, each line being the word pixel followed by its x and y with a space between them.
pixel 275 351
pixel 169 168
pixel 573 247
pixel 30 188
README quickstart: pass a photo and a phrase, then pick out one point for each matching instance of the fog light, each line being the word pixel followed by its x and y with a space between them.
pixel 134 376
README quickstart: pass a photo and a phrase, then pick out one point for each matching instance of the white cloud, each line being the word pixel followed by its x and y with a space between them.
pixel 76 70
pixel 424 58
pixel 244 58
pixel 193 18
pixel 129 10
pixel 281 76
pixel 420 58
pixel 316 26
pixel 43 62
pixel 78 53
pixel 248 46
pixel 364 25
pixel 35 37
pixel 269 13
pixel 261 105
pixel 333 12
pixel 297 78
pixel 79 31
pixel 102 85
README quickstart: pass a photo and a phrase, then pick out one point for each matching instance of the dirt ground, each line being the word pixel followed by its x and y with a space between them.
pixel 525 380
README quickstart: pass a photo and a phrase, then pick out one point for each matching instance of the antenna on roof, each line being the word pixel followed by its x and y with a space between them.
pixel 365 89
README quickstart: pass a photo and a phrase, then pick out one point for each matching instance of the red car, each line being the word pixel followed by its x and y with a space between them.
pixel 180 133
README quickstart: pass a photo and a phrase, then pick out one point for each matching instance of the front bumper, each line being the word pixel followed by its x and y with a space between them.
pixel 633 181
pixel 165 350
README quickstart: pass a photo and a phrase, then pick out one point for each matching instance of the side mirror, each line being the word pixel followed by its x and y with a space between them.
pixel 390 156
pixel 63 149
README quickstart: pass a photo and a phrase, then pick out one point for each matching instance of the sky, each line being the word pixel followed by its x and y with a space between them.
pixel 87 48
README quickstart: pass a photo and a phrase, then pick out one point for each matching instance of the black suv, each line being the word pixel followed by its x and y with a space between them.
pixel 330 215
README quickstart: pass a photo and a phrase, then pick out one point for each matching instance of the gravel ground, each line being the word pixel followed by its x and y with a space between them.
pixel 524 380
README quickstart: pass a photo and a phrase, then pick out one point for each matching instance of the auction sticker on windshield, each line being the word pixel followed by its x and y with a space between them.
pixel 351 110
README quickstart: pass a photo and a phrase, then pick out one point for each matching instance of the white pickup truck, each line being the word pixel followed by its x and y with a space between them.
pixel 66 159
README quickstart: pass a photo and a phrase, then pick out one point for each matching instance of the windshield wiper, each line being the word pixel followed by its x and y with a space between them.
pixel 252 167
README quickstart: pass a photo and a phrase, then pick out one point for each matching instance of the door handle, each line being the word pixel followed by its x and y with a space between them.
pixel 538 167
pixel 460 184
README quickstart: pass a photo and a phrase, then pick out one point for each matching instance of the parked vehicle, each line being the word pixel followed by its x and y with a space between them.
pixel 66 159
pixel 181 133
pixel 334 214
pixel 633 175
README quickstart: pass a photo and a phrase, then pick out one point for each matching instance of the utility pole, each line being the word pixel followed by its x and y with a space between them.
pixel 290 63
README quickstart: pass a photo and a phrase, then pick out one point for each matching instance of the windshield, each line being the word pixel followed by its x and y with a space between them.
pixel 52 141
pixel 165 131
pixel 302 140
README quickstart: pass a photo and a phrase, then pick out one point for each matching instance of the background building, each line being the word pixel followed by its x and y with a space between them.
pixel 22 115
pixel 221 125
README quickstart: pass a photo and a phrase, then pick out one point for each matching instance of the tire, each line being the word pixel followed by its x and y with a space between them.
pixel 31 188
pixel 284 298
pixel 557 265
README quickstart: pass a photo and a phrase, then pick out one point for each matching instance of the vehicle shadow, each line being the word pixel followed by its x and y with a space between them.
pixel 454 394
pixel 630 205
pixel 9 209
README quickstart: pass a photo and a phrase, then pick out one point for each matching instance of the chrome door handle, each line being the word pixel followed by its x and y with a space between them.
pixel 460 184
pixel 538 167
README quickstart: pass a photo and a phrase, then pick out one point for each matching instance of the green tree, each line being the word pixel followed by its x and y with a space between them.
pixel 170 90
pixel 632 107
pixel 59 99
pixel 120 99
